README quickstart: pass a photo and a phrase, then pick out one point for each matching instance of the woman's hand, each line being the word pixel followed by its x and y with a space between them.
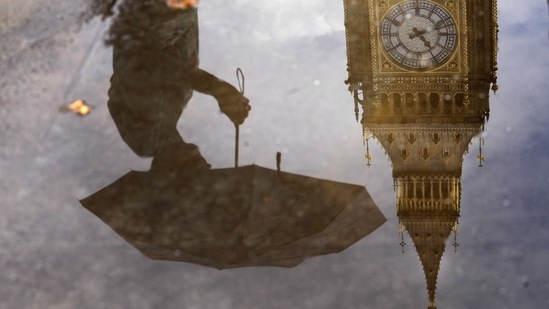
pixel 231 102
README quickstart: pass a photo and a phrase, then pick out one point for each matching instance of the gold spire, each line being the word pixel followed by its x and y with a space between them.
pixel 428 209
pixel 429 239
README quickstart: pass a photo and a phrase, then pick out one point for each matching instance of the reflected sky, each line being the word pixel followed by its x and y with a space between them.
pixel 293 55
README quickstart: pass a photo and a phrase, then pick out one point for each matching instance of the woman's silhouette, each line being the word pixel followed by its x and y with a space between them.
pixel 155 61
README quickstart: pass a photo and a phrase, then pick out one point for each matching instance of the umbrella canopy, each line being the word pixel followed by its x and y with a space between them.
pixel 235 217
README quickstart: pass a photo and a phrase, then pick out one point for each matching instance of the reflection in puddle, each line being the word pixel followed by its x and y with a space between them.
pixel 59 254
pixel 181 209
pixel 422 71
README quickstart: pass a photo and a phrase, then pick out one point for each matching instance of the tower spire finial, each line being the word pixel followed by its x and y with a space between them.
pixel 368 156
pixel 480 157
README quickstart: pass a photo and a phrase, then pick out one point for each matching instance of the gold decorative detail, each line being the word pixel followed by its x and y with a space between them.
pixel 403 154
pixel 373 38
pixel 376 99
pixel 463 43
pixel 382 5
pixel 411 138
pixel 421 87
pixel 450 4
pixel 425 153
pixel 495 31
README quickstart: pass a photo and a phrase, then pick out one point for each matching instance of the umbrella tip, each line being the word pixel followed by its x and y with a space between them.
pixel 278 159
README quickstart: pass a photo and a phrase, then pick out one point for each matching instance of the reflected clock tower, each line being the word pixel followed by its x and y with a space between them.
pixel 420 71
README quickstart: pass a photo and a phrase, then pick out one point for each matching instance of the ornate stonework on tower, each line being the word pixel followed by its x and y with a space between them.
pixel 421 71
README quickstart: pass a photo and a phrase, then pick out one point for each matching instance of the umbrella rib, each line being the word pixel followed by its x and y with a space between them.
pixel 330 222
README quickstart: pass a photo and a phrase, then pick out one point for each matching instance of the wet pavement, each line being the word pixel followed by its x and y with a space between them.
pixel 57 254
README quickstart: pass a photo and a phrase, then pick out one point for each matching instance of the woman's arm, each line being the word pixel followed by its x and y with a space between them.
pixel 231 102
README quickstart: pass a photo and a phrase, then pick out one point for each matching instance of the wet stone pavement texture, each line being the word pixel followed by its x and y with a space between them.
pixel 56 254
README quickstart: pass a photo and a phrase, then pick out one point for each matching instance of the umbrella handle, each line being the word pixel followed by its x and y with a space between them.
pixel 236 145
pixel 240 79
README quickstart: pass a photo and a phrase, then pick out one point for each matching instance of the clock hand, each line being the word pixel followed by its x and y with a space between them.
pixel 416 33
pixel 425 42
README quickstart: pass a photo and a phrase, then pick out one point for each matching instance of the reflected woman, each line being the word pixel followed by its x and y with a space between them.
pixel 155 61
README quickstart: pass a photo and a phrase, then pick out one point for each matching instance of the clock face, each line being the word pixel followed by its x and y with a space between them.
pixel 418 34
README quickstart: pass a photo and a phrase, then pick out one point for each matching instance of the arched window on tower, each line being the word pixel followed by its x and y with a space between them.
pixel 411 138
pixel 447 103
pixel 436 138
pixel 434 100
pixel 422 102
pixel 460 104
pixel 425 153
pixel 457 138
pixel 445 152
pixel 403 153
pixel 390 138
pixel 410 103
pixel 384 104
pixel 445 186
pixel 397 103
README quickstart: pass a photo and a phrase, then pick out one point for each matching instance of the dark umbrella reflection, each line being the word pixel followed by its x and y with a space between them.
pixel 223 218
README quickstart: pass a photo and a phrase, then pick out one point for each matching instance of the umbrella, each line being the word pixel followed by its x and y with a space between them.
pixel 235 217
pixel 181 210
